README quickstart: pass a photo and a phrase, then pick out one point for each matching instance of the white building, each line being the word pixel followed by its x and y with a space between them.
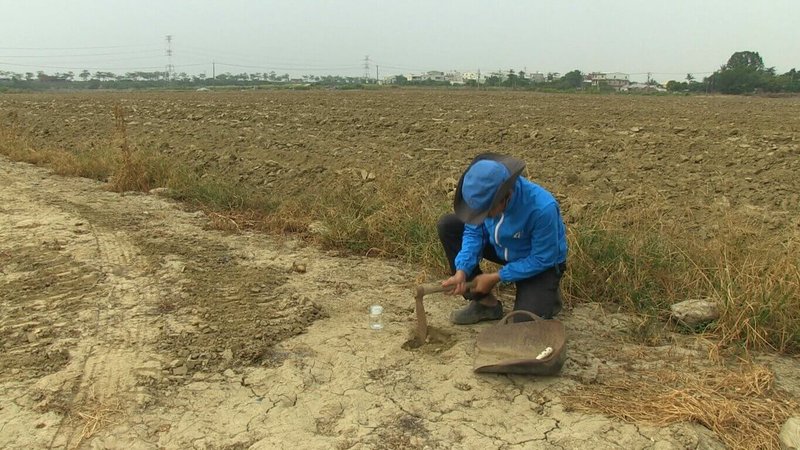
pixel 642 87
pixel 435 75
pixel 454 77
pixel 536 77
pixel 473 76
pixel 414 77
pixel 614 80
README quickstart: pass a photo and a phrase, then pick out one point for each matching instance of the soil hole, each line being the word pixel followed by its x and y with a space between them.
pixel 438 340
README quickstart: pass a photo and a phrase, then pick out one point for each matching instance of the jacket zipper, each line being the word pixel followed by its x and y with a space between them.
pixel 497 236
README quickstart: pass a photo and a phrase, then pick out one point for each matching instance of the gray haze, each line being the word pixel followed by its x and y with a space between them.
pixel 667 38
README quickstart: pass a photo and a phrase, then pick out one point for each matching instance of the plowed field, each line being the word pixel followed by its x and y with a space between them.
pixel 127 322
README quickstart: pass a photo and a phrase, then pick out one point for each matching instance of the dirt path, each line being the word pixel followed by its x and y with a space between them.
pixel 126 323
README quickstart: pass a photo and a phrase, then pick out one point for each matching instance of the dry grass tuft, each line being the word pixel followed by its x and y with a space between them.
pixel 741 407
pixel 136 170
pixel 383 218
pixel 645 265
pixel 94 163
pixel 95 415
pixel 291 217
pixel 759 291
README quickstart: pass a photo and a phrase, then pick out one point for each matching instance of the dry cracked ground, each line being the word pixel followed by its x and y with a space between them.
pixel 126 322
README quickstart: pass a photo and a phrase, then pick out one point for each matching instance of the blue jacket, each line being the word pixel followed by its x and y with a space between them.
pixel 529 235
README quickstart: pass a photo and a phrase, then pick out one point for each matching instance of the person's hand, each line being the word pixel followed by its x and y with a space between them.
pixel 457 282
pixel 485 282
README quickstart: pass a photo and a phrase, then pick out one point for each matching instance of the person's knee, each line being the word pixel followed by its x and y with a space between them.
pixel 539 295
pixel 448 225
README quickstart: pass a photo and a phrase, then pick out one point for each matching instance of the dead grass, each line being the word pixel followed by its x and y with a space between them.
pixel 217 195
pixel 637 260
pixel 759 291
pixel 385 218
pixel 644 265
pixel 740 406
pixel 92 416
pixel 135 169
pixel 94 163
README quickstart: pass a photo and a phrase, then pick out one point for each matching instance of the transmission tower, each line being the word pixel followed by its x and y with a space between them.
pixel 170 67
pixel 366 68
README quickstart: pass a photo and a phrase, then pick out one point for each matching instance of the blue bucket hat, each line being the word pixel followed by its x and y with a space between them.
pixel 484 184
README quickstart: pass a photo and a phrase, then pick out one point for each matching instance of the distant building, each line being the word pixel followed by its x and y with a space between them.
pixel 435 75
pixel 536 77
pixel 454 77
pixel 642 87
pixel 414 77
pixel 502 76
pixel 614 80
pixel 472 76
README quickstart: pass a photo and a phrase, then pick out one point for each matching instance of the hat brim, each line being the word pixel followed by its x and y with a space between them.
pixel 474 216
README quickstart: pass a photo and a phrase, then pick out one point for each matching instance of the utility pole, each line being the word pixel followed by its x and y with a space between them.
pixel 648 78
pixel 377 74
pixel 170 67
pixel 366 69
pixel 213 70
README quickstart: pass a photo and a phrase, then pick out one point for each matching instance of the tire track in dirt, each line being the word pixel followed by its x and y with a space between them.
pixel 121 342
pixel 44 282
pixel 99 292
pixel 90 281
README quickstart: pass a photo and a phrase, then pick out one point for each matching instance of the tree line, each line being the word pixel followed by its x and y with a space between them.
pixel 86 76
pixel 744 73
pixel 155 79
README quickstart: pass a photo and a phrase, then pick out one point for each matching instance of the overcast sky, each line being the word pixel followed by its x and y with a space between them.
pixel 668 38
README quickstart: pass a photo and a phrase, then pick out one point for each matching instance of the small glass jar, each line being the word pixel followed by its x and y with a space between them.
pixel 376 317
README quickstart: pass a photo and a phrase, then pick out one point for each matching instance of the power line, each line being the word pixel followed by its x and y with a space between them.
pixel 310 69
pixel 76 56
pixel 74 48
pixel 668 73
pixel 277 64
pixel 90 63
pixel 283 64
pixel 99 68
pixel 213 53
pixel 391 66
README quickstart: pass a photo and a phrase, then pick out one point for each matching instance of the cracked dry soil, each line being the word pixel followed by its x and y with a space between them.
pixel 127 323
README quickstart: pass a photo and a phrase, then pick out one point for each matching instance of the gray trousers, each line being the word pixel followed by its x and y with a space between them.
pixel 539 294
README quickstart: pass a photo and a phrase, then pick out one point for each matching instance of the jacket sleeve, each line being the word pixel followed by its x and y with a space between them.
pixel 471 248
pixel 544 247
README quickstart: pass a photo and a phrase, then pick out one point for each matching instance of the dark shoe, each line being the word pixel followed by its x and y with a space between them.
pixel 475 312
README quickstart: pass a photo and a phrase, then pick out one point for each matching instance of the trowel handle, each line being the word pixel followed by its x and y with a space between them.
pixel 431 288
